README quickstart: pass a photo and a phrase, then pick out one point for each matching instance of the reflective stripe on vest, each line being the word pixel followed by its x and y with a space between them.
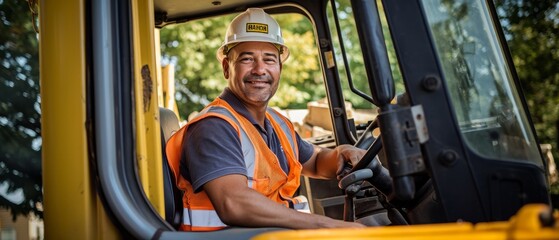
pixel 286 129
pixel 247 148
pixel 208 219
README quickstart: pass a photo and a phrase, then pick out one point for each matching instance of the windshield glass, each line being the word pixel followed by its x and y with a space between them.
pixel 488 108
pixel 356 68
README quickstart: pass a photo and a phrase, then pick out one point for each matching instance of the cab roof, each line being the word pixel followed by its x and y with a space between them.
pixel 175 11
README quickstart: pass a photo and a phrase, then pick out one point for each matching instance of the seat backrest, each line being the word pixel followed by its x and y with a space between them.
pixel 169 122
pixel 173 196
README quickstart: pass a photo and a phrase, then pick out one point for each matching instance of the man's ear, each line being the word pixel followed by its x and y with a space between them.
pixel 225 67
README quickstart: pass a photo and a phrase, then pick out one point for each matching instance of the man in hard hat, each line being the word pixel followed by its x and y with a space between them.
pixel 239 162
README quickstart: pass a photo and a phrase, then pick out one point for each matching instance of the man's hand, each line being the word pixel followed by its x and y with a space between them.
pixel 348 155
pixel 329 163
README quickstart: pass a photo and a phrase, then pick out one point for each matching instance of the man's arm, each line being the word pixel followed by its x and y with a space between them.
pixel 327 163
pixel 239 205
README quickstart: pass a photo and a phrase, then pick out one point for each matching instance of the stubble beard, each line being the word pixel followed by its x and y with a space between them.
pixel 258 88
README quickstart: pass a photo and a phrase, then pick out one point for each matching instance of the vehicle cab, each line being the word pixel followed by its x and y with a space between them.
pixel 455 140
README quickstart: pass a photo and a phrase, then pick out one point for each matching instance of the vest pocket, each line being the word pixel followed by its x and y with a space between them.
pixel 261 185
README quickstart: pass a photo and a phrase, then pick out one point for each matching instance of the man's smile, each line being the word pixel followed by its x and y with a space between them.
pixel 258 81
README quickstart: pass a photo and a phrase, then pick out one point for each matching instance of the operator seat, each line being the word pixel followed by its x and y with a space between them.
pixel 169 122
pixel 173 196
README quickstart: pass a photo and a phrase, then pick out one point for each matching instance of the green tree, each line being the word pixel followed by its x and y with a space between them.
pixel 20 129
pixel 191 48
pixel 354 54
pixel 199 78
pixel 302 79
pixel 531 29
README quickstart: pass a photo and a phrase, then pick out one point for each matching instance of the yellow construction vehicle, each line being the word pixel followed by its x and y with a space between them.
pixel 458 148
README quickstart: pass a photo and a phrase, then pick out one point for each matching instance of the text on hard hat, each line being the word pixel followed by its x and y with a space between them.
pixel 257 27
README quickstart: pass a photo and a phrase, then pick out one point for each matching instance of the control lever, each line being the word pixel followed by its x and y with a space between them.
pixel 355 177
pixel 381 177
pixel 351 184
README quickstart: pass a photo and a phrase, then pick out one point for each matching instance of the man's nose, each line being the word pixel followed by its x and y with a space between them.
pixel 259 67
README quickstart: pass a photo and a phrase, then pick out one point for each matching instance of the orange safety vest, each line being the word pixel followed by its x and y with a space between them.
pixel 265 174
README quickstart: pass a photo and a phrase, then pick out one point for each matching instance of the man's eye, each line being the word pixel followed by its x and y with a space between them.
pixel 246 59
pixel 270 60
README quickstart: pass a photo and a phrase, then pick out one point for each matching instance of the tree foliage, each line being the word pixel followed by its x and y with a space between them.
pixel 531 29
pixel 353 51
pixel 20 129
pixel 191 47
pixel 199 78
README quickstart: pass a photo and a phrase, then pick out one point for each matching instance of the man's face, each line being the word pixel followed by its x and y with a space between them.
pixel 253 70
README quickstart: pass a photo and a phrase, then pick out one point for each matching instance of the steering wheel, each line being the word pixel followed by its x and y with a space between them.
pixel 380 176
pixel 371 170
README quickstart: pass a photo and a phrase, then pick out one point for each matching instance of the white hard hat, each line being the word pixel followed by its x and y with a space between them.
pixel 254 25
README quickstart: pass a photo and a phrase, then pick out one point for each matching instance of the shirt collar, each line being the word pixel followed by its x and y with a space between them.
pixel 228 96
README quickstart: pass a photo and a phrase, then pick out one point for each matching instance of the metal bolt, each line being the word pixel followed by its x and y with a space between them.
pixel 338 112
pixel 431 83
pixel 448 157
pixel 324 42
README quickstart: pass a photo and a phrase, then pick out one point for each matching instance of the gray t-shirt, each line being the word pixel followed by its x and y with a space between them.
pixel 216 150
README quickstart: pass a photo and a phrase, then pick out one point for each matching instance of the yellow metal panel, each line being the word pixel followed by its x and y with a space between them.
pixel 525 225
pixel 165 79
pixel 148 134
pixel 157 48
pixel 71 205
pixel 168 88
pixel 105 228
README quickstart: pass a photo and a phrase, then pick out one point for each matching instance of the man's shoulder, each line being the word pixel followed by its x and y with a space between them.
pixel 210 124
